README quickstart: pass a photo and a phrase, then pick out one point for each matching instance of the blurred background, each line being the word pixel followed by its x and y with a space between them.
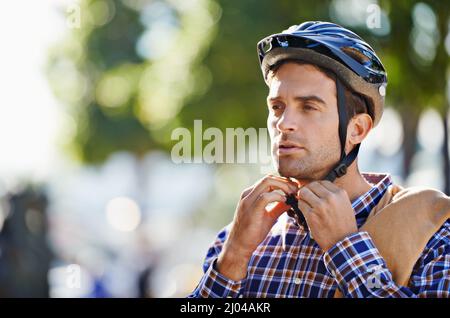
pixel 92 205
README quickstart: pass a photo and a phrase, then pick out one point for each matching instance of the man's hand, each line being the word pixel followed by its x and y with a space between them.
pixel 252 222
pixel 328 212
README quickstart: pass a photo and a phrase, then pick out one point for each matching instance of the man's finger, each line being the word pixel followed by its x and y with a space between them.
pixel 278 209
pixel 266 198
pixel 304 206
pixel 330 186
pixel 319 189
pixel 246 192
pixel 268 184
pixel 308 196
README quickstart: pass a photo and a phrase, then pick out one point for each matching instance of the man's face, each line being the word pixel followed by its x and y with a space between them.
pixel 303 122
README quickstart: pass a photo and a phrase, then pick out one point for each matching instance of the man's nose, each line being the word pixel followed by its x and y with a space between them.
pixel 287 122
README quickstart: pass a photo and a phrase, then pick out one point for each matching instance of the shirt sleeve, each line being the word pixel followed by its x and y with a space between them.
pixel 360 270
pixel 213 284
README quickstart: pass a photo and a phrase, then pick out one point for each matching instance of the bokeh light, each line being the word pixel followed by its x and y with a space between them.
pixel 123 214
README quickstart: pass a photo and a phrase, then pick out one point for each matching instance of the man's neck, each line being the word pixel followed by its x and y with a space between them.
pixel 353 183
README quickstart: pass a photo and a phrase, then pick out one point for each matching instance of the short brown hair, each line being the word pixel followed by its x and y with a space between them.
pixel 356 103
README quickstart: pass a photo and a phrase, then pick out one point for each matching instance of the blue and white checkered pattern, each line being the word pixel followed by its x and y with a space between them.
pixel 289 263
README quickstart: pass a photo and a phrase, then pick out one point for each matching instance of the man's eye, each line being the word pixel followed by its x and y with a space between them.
pixel 309 107
pixel 276 107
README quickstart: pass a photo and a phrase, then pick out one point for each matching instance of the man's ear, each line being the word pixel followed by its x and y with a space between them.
pixel 358 128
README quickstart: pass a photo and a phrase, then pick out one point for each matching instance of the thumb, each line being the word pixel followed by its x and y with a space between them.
pixel 278 209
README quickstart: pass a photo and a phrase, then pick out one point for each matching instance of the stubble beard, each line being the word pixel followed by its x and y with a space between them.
pixel 307 166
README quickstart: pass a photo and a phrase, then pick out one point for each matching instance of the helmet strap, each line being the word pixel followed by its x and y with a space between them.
pixel 346 159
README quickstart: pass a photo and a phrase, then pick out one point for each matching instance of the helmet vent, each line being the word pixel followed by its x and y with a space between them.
pixel 355 54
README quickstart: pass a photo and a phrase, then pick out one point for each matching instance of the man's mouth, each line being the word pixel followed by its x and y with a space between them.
pixel 287 148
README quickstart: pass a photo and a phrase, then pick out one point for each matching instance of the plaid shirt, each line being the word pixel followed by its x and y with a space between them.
pixel 289 263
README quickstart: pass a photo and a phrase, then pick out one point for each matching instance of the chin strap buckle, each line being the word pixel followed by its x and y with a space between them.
pixel 340 170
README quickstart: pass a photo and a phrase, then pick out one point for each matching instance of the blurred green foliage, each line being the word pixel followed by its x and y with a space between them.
pixel 136 69
pixel 118 91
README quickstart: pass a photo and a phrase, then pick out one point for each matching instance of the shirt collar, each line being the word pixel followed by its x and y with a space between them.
pixel 364 203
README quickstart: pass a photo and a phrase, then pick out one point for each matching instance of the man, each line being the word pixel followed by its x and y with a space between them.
pixel 346 233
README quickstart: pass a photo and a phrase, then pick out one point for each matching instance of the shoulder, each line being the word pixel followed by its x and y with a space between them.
pixel 432 201
pixel 429 194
